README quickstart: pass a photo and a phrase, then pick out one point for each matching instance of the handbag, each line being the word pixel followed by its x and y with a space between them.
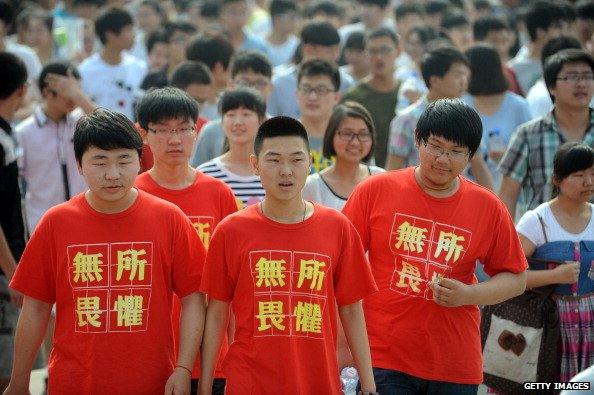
pixel 521 339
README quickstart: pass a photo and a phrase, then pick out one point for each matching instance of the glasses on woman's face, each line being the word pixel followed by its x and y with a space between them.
pixel 456 155
pixel 347 135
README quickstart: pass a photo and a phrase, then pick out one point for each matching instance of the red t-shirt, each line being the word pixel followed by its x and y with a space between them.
pixel 284 282
pixel 412 237
pixel 111 277
pixel 206 202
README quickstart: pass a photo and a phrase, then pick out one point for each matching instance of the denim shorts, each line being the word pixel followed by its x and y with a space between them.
pixel 392 382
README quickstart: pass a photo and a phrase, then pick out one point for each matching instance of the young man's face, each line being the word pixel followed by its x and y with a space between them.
pixel 438 167
pixel 372 15
pixel 171 148
pixel 501 40
pixel 454 83
pixel 461 37
pixel 316 96
pixel 285 23
pixel 110 174
pixel 328 53
pixel 251 79
pixel 199 92
pixel 57 103
pixel 234 16
pixel 405 24
pixel 283 166
pixel 382 52
pixel 556 29
pixel 574 86
pixel 159 56
pixel 148 19
pixel 177 46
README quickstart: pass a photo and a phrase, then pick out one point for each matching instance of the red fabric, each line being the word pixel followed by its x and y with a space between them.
pixel 408 332
pixel 113 330
pixel 514 85
pixel 206 202
pixel 146 158
pixel 320 263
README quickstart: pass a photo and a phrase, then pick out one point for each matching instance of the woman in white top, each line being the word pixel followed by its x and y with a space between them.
pixel 349 137
pixel 562 230
pixel 242 112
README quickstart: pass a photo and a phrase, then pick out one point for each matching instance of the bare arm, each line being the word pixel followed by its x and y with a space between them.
pixel 68 86
pixel 28 337
pixel 214 329
pixel 481 172
pixel 353 322
pixel 395 162
pixel 190 336
pixel 508 193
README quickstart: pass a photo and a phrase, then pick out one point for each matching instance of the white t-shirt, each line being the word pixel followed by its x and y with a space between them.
pixel 113 87
pixel 281 54
pixel 529 227
pixel 317 190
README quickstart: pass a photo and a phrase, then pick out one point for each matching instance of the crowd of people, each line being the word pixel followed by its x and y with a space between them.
pixel 247 196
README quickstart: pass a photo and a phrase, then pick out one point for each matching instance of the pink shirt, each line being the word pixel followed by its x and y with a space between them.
pixel 43 147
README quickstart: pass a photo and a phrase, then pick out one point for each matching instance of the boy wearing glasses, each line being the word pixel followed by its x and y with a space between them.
pixel 167 117
pixel 527 165
pixel 318 82
pixel 424 229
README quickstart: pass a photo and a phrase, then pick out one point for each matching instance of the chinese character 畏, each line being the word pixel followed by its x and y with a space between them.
pixel 310 270
pixel 270 272
pixel 88 312
pixel 412 274
pixel 129 310
pixel 412 237
pixel 273 312
pixel 448 241
pixel 86 267
pixel 308 317
pixel 128 260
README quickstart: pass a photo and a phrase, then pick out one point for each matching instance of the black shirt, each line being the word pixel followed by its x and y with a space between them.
pixel 11 217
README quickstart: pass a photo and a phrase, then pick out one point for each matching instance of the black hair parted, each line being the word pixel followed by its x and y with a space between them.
pixel 60 68
pixel 281 126
pixel 438 62
pixel 452 120
pixel 570 158
pixel 317 67
pixel 245 61
pixel 113 20
pixel 320 33
pixel 242 97
pixel 163 104
pixel 13 74
pixel 106 130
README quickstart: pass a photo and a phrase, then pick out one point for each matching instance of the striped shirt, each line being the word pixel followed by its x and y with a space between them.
pixel 247 189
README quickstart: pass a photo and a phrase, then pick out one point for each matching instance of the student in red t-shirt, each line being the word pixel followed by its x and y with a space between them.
pixel 166 117
pixel 110 259
pixel 425 228
pixel 285 265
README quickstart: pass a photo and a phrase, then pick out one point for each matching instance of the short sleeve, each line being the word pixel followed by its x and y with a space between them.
pixel 228 202
pixel 204 146
pixel 505 253
pixel 515 160
pixel 216 281
pixel 188 257
pixel 35 274
pixel 355 210
pixel 353 279
pixel 401 137
pixel 529 226
pixel 311 189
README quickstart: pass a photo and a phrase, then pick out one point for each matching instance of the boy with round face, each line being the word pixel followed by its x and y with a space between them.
pixel 424 228
pixel 284 284
pixel 167 117
pixel 111 277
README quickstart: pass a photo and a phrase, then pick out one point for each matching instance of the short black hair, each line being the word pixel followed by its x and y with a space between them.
pixel 569 12
pixel 156 6
pixel 557 44
pixel 161 104
pixel 355 40
pixel 382 31
pixel 452 120
pixel 281 7
pixel 326 7
pixel 425 33
pixel 454 19
pixel 242 97
pixel 436 7
pixel 555 63
pixel 171 27
pixel 570 158
pixel 106 130
pixel 404 10
pixel 13 74
pixel 7 14
pixel 482 5
pixel 439 61
pixel 281 126
pixel 60 68
pixel 486 71
pixel 156 37
pixel 316 67
pixel 584 9
pixel 245 61
pixel 210 9
pixel 379 3
pixel 487 24
pixel 348 109
pixel 113 20
pixel 210 51
pixel 320 33
pixel 542 15
pixel 190 72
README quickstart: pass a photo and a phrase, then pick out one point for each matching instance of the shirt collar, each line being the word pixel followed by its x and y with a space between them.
pixel 550 122
pixel 40 116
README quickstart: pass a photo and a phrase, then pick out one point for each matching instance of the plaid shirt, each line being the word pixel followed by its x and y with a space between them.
pixel 530 153
pixel 402 132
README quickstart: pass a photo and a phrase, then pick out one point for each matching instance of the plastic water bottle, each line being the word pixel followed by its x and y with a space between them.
pixel 349 378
